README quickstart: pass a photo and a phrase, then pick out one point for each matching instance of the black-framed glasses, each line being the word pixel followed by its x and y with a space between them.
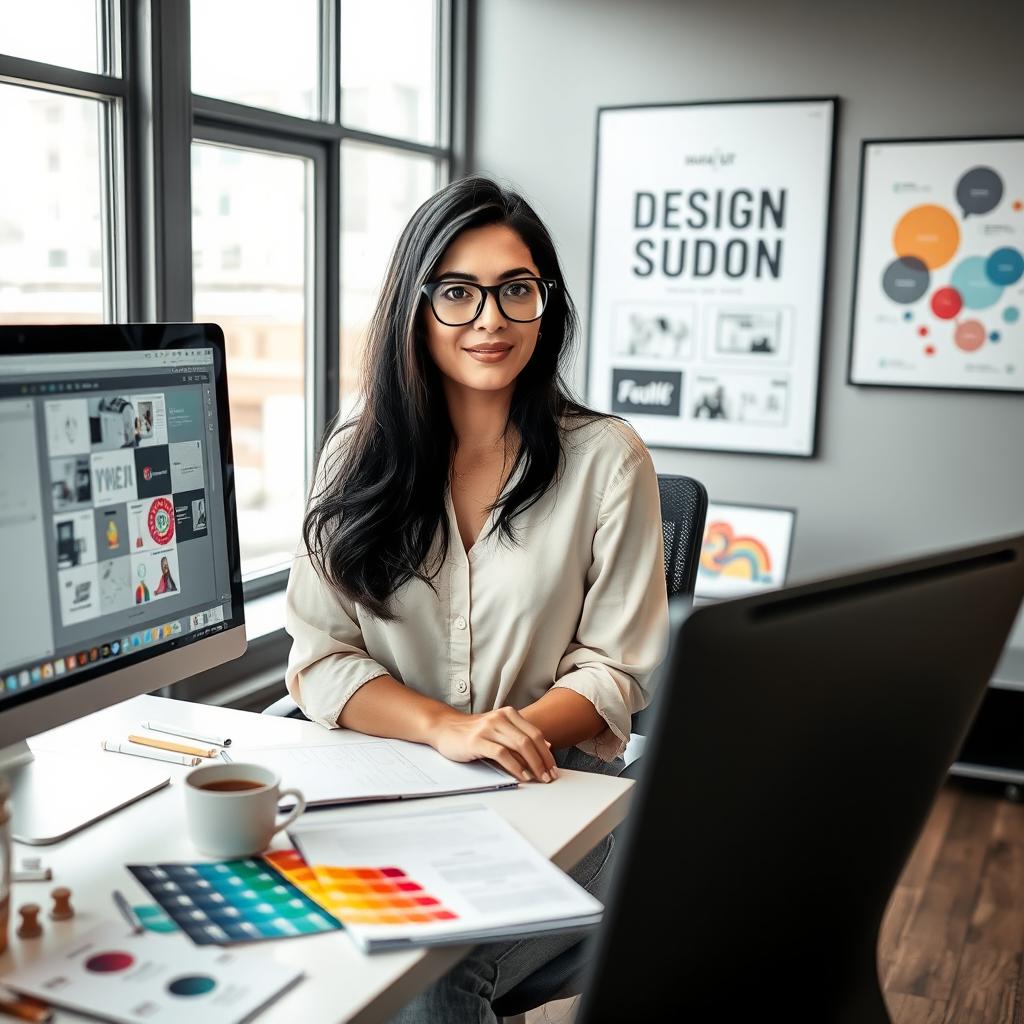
pixel 457 303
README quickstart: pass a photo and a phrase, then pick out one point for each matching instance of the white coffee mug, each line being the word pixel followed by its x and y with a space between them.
pixel 239 821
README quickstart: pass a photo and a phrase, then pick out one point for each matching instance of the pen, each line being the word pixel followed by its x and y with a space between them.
pixel 178 748
pixel 24 1007
pixel 126 912
pixel 157 755
pixel 177 730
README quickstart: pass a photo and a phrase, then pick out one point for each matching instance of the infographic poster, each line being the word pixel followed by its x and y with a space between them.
pixel 940 265
pixel 709 265
pixel 745 550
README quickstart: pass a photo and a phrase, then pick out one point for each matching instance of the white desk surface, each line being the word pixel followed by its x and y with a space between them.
pixel 563 820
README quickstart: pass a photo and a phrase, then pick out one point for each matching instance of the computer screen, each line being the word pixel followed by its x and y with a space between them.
pixel 118 534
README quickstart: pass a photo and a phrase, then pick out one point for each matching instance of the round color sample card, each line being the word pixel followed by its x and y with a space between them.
pixel 191 985
pixel 108 963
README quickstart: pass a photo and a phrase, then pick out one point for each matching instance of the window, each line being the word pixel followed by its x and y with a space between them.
pixel 380 189
pixel 272 59
pixel 28 30
pixel 316 128
pixel 389 78
pixel 58 195
pixel 258 295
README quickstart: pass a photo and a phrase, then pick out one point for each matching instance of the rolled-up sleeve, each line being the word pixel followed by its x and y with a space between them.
pixel 328 660
pixel 622 636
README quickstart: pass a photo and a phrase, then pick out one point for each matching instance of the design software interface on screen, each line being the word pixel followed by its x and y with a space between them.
pixel 110 494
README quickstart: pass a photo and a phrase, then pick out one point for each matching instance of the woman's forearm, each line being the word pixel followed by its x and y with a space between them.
pixel 565 717
pixel 385 707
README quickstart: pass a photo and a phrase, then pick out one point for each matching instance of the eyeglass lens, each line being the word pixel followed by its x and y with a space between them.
pixel 458 302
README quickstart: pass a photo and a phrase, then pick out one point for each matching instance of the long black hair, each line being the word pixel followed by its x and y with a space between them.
pixel 370 527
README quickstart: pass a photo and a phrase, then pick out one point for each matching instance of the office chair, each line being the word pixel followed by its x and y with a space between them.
pixel 684 506
pixel 786 784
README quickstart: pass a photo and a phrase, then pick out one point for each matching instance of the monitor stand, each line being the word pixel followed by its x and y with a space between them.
pixel 55 794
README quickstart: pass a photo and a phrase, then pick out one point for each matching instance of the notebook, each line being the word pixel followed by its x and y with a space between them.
pixel 458 875
pixel 361 768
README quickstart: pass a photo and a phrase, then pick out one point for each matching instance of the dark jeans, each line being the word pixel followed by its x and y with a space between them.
pixel 464 994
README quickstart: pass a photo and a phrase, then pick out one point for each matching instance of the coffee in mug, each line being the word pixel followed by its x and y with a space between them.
pixel 231 809
pixel 230 785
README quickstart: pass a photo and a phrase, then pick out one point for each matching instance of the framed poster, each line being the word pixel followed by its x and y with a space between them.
pixel 745 550
pixel 708 270
pixel 939 286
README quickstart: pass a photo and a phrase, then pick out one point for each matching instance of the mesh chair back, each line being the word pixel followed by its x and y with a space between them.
pixel 684 507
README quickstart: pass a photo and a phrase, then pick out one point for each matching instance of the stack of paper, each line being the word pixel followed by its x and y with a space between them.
pixel 356 768
pixel 440 876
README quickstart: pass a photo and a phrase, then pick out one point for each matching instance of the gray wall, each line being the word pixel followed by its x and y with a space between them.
pixel 897 471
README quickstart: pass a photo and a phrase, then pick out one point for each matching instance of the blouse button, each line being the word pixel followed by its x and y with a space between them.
pixel 461 685
pixel 460 623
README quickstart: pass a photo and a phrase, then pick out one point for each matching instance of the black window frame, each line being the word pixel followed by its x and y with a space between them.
pixel 151 118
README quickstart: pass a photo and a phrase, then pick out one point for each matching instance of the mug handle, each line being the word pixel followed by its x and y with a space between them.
pixel 300 806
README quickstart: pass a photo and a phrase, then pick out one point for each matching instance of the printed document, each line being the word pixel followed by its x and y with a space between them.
pixel 439 876
pixel 362 768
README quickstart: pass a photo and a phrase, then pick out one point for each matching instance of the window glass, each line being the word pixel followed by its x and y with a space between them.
pixel 388 64
pixel 62 32
pixel 258 52
pixel 380 189
pixel 51 227
pixel 250 276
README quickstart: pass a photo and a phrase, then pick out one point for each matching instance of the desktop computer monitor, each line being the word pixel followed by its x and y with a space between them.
pixel 119 545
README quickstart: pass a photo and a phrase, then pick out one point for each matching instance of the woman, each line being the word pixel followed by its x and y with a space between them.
pixel 482 562
pixel 166 584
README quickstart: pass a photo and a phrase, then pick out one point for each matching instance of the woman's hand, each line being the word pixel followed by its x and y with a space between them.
pixel 503 736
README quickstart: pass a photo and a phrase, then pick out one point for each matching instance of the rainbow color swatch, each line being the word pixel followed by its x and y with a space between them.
pixel 372 895
pixel 225 902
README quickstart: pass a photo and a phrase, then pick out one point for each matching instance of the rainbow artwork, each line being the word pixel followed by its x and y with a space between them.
pixel 723 553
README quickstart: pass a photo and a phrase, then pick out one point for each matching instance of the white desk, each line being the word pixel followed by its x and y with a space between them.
pixel 563 820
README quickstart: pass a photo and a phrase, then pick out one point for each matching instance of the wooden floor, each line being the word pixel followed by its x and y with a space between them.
pixel 953 937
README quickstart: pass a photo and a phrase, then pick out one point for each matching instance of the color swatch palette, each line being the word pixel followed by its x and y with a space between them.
pixel 225 902
pixel 385 895
pixel 112 974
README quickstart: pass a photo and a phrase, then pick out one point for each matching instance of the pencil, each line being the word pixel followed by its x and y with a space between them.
pixel 178 748
pixel 156 755
pixel 127 912
pixel 178 730
pixel 24 1007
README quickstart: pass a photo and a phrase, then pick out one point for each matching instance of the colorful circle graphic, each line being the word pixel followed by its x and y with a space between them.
pixel 979 190
pixel 971 280
pixel 928 233
pixel 969 336
pixel 191 985
pixel 161 520
pixel 108 963
pixel 1005 266
pixel 946 303
pixel 905 279
pixel 1011 314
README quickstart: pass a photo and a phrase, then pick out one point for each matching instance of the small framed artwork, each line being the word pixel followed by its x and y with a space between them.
pixel 745 550
pixel 939 285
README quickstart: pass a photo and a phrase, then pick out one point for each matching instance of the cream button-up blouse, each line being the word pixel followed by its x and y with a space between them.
pixel 580 602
